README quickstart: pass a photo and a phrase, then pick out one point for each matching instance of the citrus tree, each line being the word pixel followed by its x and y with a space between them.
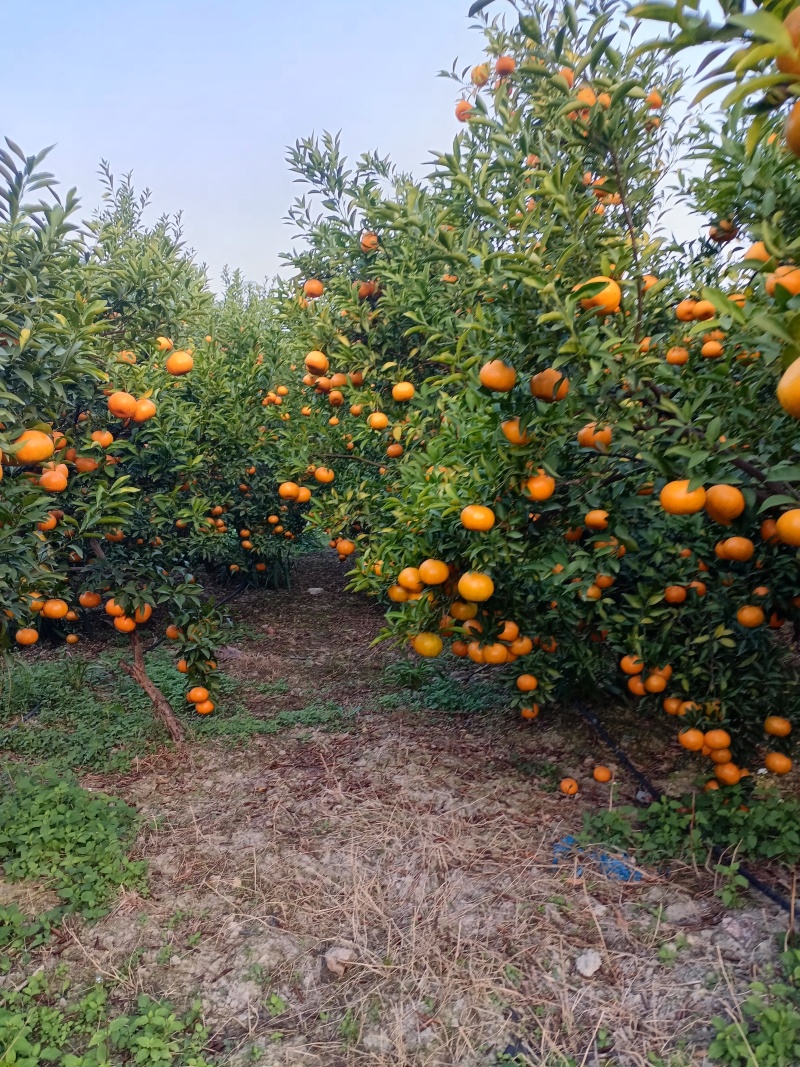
pixel 133 450
pixel 547 435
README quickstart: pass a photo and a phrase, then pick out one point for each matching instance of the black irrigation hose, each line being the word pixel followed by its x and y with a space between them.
pixel 654 791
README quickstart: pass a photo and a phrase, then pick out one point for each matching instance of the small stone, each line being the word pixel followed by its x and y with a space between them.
pixel 316 591
pixel 588 963
pixel 337 959
pixel 174 961
pixel 682 911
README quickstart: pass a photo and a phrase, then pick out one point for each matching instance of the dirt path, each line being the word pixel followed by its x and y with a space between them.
pixel 383 892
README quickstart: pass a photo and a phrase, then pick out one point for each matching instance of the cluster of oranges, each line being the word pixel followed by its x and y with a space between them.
pixel 716 745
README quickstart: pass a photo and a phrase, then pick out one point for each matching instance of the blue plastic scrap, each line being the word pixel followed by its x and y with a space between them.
pixel 613 867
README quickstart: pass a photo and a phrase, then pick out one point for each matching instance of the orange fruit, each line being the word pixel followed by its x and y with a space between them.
pixel 787 527
pixel 475 586
pixel 602 774
pixel 568 786
pixel 654 683
pixel 529 713
pixel 777 763
pixel 505 65
pixel 378 420
pixel 727 773
pixel 720 755
pixel 596 520
pixel 717 738
pixel 671 705
pixel 34 447
pixel 477 517
pixel 56 481
pixel 55 608
pixel 631 665
pixel 497 376
pixel 179 362
pixel 89 600
pixel 475 652
pixel 463 110
pixel 124 624
pixel 143 613
pixel 791 136
pixel 316 363
pixel 521 646
pixel 711 350
pixel 495 653
pixel 463 611
pixel 677 355
pixel 397 594
pixel 541 486
pixel 113 609
pixel 197 694
pixel 403 391
pixel 609 297
pixel 480 74
pixel 526 683
pixel 433 571
pixel 549 385
pixel 427 644
pixel 788 391
pixel 122 405
pixel 704 309
pixel 26 636
pixel 409 579
pixel 740 549
pixel 182 666
pixel 636 685
pixel 777 726
pixel 145 409
pixel 675 594
pixel 288 490
pixel 512 433
pixel 313 288
pixel 750 616
pixel 692 739
pixel 787 277
pixel 204 707
pixel 684 311
pixel 677 500
pixel 724 503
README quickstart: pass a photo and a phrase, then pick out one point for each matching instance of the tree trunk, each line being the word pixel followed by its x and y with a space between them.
pixel 161 705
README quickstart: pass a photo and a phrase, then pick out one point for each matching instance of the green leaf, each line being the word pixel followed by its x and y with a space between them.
pixel 765 25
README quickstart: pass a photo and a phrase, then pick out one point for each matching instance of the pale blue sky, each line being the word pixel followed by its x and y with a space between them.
pixel 200 98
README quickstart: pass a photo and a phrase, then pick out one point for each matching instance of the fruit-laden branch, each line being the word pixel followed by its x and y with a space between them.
pixel 743 464
pixel 138 672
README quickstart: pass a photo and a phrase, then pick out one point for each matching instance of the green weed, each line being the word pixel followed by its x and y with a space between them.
pixel 420 687
pixel 757 825
pixel 37 1030
pixel 768 1034
pixel 70 841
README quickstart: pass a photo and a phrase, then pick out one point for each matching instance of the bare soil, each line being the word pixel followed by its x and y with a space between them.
pixel 385 893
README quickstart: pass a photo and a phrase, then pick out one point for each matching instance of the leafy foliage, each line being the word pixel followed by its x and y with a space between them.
pixel 755 825
pixel 37 1029
pixel 72 842
pixel 768 1034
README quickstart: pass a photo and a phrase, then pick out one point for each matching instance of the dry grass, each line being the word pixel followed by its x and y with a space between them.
pixel 392 841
